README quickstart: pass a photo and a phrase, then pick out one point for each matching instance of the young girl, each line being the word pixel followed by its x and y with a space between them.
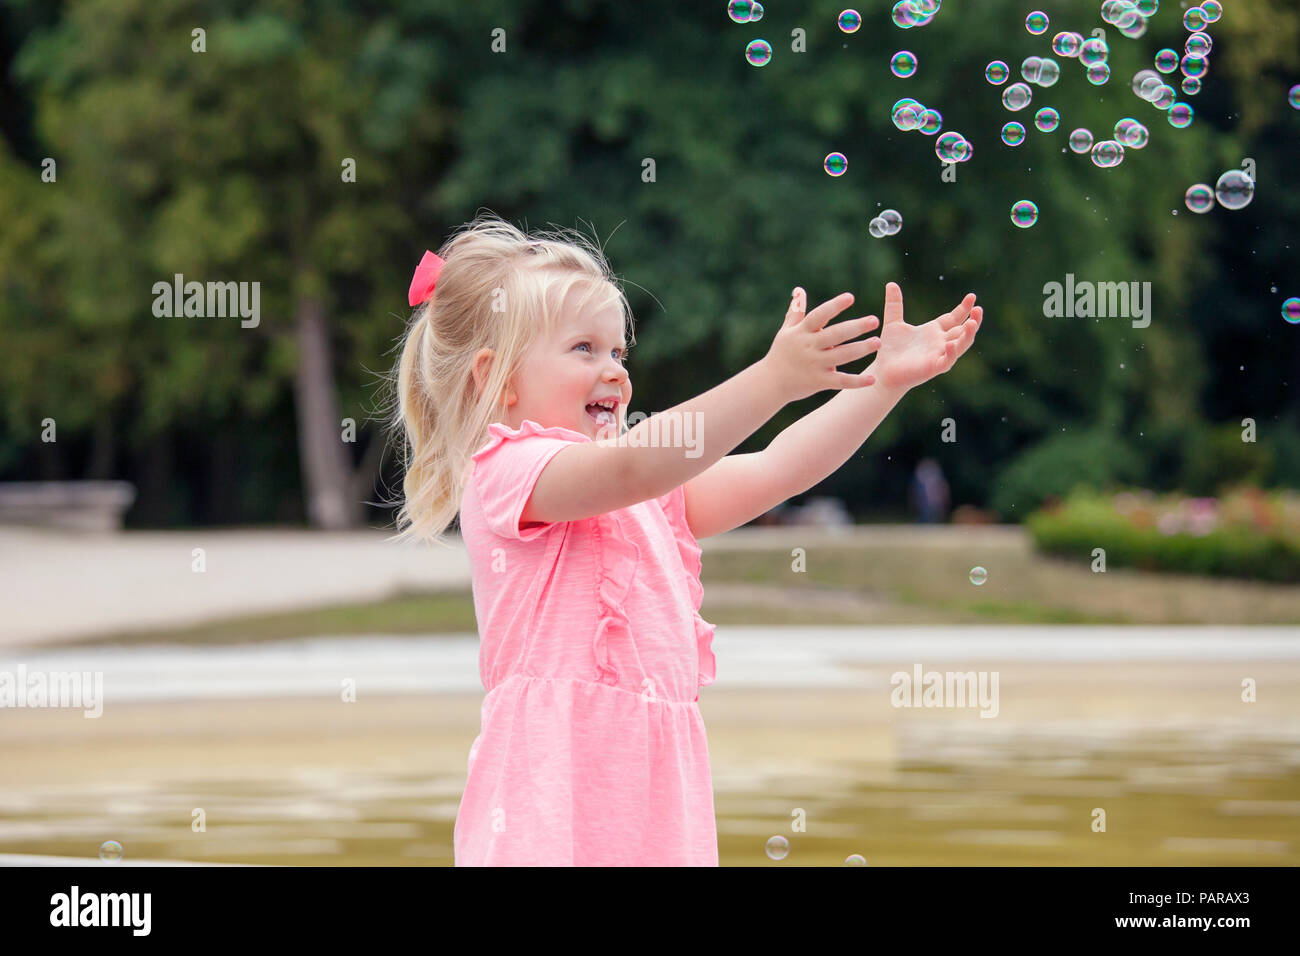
pixel 582 533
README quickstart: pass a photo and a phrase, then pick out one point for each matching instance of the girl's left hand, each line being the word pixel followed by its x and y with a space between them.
pixel 912 354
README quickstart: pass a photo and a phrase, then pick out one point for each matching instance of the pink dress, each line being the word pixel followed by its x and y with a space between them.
pixel 592 651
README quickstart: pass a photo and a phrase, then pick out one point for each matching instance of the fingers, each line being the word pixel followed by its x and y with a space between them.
pixel 893 304
pixel 833 335
pixel 818 317
pixel 798 303
pixel 848 380
pixel 855 350
pixel 950 320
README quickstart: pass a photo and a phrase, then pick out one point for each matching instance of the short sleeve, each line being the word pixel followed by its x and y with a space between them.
pixel 506 471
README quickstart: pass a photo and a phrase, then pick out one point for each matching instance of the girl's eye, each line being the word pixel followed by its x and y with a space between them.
pixel 622 355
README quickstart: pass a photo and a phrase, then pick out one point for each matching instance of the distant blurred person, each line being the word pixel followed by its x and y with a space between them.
pixel 929 492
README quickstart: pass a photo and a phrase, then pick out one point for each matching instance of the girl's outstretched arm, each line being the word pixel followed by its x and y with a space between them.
pixel 739 488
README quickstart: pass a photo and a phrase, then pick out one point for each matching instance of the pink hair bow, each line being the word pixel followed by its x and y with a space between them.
pixel 426 276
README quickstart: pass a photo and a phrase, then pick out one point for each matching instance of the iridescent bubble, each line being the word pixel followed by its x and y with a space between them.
pixel 1081 140
pixel 1036 22
pixel 1094 50
pixel 1138 135
pixel 1017 96
pixel 978 575
pixel 1030 67
pixel 908 118
pixel 758 53
pixel 1291 310
pixel 1013 134
pixel 1148 7
pixel 756 14
pixel 1194 65
pixel 1048 72
pixel 903 63
pixel 856 859
pixel 1164 97
pixel 1098 74
pixel 1211 10
pixel 1194 19
pixel 876 228
pixel 964 150
pixel 996 72
pixel 1191 85
pixel 1107 153
pixel 928 8
pixel 1047 119
pixel 1198 44
pixel 110 851
pixel 931 122
pixel 1234 190
pixel 1149 88
pixel 893 221
pixel 1067 44
pixel 1167 60
pixel 1112 10
pixel 1142 77
pixel 906 101
pixel 850 21
pixel 905 14
pixel 1293 97
pixel 778 847
pixel 739 10
pixel 1199 198
pixel 1132 26
pixel 836 164
pixel 1180 115
pixel 945 147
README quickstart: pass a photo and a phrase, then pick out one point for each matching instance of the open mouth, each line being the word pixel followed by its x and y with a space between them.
pixel 604 414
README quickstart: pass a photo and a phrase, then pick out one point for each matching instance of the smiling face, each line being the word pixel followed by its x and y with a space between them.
pixel 579 363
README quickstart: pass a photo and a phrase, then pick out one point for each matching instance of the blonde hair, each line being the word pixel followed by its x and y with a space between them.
pixel 500 289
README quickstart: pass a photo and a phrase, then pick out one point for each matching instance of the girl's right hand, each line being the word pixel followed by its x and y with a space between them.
pixel 805 354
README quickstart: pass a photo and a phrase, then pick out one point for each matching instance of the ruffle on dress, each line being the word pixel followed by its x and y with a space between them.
pixel 690 551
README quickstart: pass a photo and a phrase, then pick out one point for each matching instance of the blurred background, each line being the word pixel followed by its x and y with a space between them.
pixel 197 506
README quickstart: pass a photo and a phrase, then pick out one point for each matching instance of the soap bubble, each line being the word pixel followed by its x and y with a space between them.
pixel 892 220
pixel 876 228
pixel 978 575
pixel 1180 115
pixel 965 150
pixel 903 64
pixel 1132 26
pixel 1111 9
pixel 1148 80
pixel 1191 85
pixel 856 859
pixel 1081 140
pixel 1067 44
pixel 835 164
pixel 996 72
pixel 1047 119
pixel 778 847
pixel 1211 10
pixel 906 14
pixel 1013 134
pixel 1164 97
pixel 756 13
pixel 1291 310
pixel 1199 198
pixel 1107 153
pixel 1030 67
pixel 1094 50
pixel 1148 7
pixel 946 146
pixel 739 10
pixel 1198 44
pixel 1098 74
pixel 931 122
pixel 1234 190
pixel 1293 97
pixel 758 53
pixel 1048 72
pixel 1194 65
pixel 1017 96
pixel 1130 133
pixel 1194 19
pixel 110 851
pixel 1036 22
pixel 908 118
pixel 1167 60
pixel 850 21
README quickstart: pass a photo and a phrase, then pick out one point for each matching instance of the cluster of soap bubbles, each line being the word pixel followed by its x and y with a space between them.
pixel 1107 153
pixel 745 11
pixel 1130 133
pixel 952 147
pixel 914 13
pixel 909 114
pixel 903 63
pixel 1129 17
pixel 1234 190
pixel 886 224
pixel 1150 86
pixel 1042 70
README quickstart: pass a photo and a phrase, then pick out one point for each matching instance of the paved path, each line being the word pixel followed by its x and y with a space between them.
pixel 61 585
